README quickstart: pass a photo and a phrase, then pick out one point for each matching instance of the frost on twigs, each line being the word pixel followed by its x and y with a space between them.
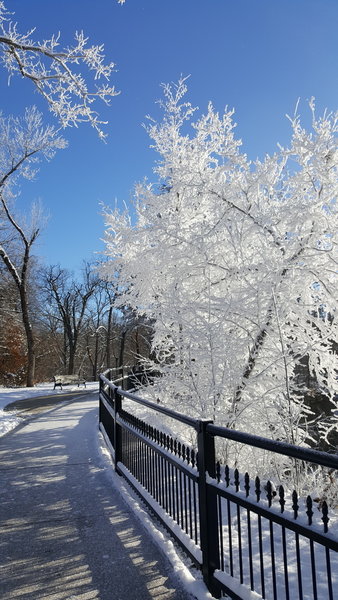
pixel 22 141
pixel 57 73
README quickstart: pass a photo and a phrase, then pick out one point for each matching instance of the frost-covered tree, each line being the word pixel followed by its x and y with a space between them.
pixel 23 142
pixel 60 74
pixel 236 263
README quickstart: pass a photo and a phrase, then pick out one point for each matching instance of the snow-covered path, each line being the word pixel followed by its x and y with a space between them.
pixel 9 419
pixel 66 533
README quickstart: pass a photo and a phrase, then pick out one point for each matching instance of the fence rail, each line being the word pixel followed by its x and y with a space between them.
pixel 249 540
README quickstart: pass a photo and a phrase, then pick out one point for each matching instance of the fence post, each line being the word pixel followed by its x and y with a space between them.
pixel 100 403
pixel 208 508
pixel 117 430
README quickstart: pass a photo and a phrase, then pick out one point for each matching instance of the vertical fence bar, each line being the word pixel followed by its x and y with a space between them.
pixel 208 509
pixel 117 431
pixel 195 492
pixel 285 561
pixel 100 403
pixel 190 508
pixel 230 540
pixel 220 525
pixel 329 575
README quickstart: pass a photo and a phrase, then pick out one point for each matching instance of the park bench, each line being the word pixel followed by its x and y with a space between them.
pixel 68 380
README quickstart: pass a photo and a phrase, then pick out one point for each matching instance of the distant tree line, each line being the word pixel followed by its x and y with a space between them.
pixel 74 326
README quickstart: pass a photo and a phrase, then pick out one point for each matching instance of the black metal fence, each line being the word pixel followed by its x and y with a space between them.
pixel 249 540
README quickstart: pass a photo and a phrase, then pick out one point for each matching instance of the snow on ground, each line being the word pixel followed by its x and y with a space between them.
pixel 10 420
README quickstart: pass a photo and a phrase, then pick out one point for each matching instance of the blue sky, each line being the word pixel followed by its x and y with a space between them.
pixel 258 57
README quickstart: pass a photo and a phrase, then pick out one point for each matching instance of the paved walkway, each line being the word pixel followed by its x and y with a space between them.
pixel 65 532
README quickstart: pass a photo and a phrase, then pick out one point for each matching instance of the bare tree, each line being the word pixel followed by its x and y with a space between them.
pixel 69 301
pixel 98 327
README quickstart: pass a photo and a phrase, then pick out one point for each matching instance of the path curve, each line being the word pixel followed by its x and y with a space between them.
pixel 66 533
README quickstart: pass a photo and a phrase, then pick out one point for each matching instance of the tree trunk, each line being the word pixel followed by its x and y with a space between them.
pixel 96 358
pixel 72 346
pixel 29 336
pixel 109 328
pixel 71 360
pixel 123 341
pixel 137 343
pixel 64 352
